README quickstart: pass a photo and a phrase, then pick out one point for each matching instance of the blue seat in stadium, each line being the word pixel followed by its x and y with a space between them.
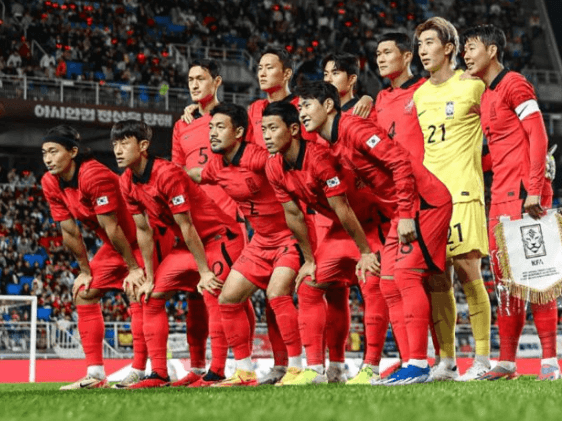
pixel 163 20
pixel 99 76
pixel 44 313
pixel 26 280
pixel 74 68
pixel 32 258
pixel 13 289
pixel 176 29
pixel 110 336
pixel 6 317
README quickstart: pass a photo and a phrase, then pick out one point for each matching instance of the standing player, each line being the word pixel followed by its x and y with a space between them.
pixel 160 197
pixel 79 188
pixel 396 113
pixel 305 174
pixel 190 150
pixel 517 140
pixel 448 113
pixel 417 203
pixel 271 260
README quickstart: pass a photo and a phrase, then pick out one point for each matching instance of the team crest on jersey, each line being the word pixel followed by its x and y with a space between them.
pixel 533 241
pixel 373 141
pixel 450 109
pixel 333 182
pixel 101 201
pixel 178 200
pixel 252 185
pixel 409 108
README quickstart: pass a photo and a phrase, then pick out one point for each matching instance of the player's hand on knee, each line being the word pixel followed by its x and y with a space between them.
pixel 135 278
pixel 145 289
pixel 209 282
pixel 533 207
pixel 367 263
pixel 188 112
pixel 406 230
pixel 307 270
pixel 82 280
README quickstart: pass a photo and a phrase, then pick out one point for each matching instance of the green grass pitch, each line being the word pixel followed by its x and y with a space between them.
pixel 523 399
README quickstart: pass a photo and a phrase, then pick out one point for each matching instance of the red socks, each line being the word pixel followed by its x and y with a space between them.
pixel 280 356
pixel 156 331
pixel 511 319
pixel 376 320
pixel 197 330
pixel 393 300
pixel 140 353
pixel 91 328
pixel 417 310
pixel 286 317
pixel 338 322
pixel 312 322
pixel 251 315
pixel 546 321
pixel 237 329
pixel 219 346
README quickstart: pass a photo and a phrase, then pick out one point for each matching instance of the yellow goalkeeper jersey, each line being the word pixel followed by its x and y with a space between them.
pixel 449 117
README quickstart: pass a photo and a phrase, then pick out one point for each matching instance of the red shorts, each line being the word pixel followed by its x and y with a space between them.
pixel 337 255
pixel 257 263
pixel 428 252
pixel 513 209
pixel 178 270
pixel 109 270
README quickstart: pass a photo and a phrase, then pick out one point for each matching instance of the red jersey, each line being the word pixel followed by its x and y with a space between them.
pixel 255 116
pixel 191 149
pixel 516 160
pixel 315 177
pixel 396 115
pixel 94 190
pixel 251 191
pixel 164 190
pixel 398 181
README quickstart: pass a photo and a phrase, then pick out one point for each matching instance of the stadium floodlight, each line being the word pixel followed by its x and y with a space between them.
pixel 8 302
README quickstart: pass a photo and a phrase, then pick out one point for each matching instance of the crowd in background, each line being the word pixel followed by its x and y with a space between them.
pixel 128 41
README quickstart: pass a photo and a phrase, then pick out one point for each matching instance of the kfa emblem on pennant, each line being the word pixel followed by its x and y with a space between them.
pixel 533 241
pixel 450 110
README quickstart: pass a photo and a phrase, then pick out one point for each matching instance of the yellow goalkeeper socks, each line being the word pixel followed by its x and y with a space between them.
pixel 480 314
pixel 444 314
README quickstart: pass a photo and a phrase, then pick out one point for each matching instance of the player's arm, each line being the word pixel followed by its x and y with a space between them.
pixel 208 279
pixel 110 225
pixel 296 223
pixel 145 240
pixel 195 174
pixel 72 238
pixel 350 223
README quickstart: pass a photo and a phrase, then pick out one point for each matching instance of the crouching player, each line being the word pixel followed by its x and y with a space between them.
pixel 79 188
pixel 271 260
pixel 160 196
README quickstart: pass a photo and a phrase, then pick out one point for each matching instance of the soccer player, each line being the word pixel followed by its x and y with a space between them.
pixel 190 150
pixel 448 112
pixel 303 175
pixel 160 197
pixel 270 261
pixel 517 141
pixel 79 188
pixel 418 204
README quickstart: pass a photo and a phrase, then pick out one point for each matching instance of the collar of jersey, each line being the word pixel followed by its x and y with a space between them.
pixel 410 82
pixel 145 177
pixel 350 104
pixel 237 156
pixel 335 129
pixel 73 182
pixel 498 78
pixel 300 158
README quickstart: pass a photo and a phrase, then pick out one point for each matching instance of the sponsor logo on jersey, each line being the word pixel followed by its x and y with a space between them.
pixel 450 110
pixel 373 141
pixel 102 201
pixel 333 182
pixel 178 200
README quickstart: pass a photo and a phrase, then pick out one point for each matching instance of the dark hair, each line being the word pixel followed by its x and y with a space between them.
pixel 283 55
pixel 321 91
pixel 131 128
pixel 344 62
pixel 489 35
pixel 285 110
pixel 212 66
pixel 238 115
pixel 402 41
pixel 69 138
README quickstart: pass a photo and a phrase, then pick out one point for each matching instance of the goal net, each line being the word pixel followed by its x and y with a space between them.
pixel 16 336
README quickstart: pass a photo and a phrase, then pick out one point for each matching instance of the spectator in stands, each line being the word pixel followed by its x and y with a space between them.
pixel 61 68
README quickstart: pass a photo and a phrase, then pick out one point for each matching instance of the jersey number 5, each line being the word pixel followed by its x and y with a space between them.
pixel 433 130
pixel 203 158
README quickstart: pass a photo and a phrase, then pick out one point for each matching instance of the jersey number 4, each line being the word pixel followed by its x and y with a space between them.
pixel 432 136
